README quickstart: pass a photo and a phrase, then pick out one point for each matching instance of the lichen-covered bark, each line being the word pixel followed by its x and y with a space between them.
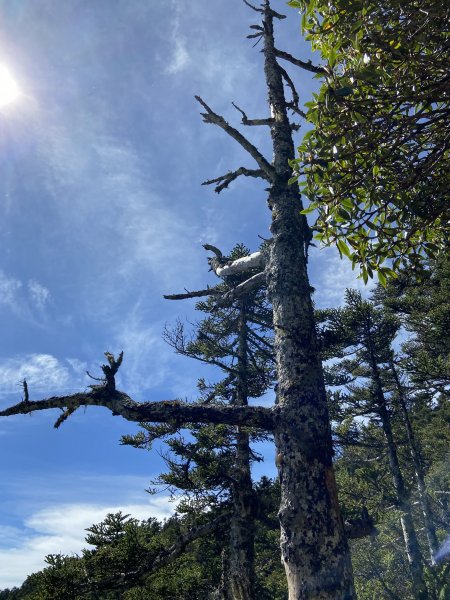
pixel 313 545
pixel 166 411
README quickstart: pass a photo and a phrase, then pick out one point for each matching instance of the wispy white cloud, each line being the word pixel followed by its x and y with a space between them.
pixel 9 290
pixel 180 57
pixel 149 361
pixel 61 529
pixel 331 276
pixel 130 235
pixel 39 294
pixel 43 372
pixel 25 301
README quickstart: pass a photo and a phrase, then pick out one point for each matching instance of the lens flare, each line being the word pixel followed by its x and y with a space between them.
pixel 443 551
pixel 9 90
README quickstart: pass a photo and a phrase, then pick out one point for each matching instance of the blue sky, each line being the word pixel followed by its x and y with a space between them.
pixel 102 212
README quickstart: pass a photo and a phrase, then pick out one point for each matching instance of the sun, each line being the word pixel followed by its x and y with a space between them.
pixel 9 90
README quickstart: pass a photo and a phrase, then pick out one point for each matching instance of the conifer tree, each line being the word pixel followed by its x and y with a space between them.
pixel 366 336
pixel 211 467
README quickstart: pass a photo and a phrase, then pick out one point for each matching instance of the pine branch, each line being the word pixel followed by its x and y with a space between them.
pixel 149 563
pixel 178 341
pixel 211 117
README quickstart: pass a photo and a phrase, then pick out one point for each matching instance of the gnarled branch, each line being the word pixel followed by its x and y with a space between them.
pixel 290 83
pixel 166 411
pixel 260 10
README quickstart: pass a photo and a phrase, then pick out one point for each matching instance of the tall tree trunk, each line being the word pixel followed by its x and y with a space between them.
pixel 313 545
pixel 418 468
pixel 412 547
pixel 240 563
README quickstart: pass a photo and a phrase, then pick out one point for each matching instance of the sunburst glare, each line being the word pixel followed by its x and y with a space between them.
pixel 9 90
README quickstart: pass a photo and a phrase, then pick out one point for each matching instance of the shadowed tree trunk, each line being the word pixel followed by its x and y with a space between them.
pixel 418 468
pixel 241 575
pixel 412 547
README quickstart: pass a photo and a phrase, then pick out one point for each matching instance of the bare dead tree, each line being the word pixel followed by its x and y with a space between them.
pixel 313 542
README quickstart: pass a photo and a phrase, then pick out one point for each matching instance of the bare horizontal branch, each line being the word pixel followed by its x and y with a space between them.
pixel 276 14
pixel 211 117
pixel 308 66
pixel 195 294
pixel 225 180
pixel 254 35
pixel 166 411
pixel 297 110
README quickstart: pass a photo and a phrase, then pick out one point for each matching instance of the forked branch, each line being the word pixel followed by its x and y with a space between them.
pixel 224 180
pixel 211 117
pixel 246 121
